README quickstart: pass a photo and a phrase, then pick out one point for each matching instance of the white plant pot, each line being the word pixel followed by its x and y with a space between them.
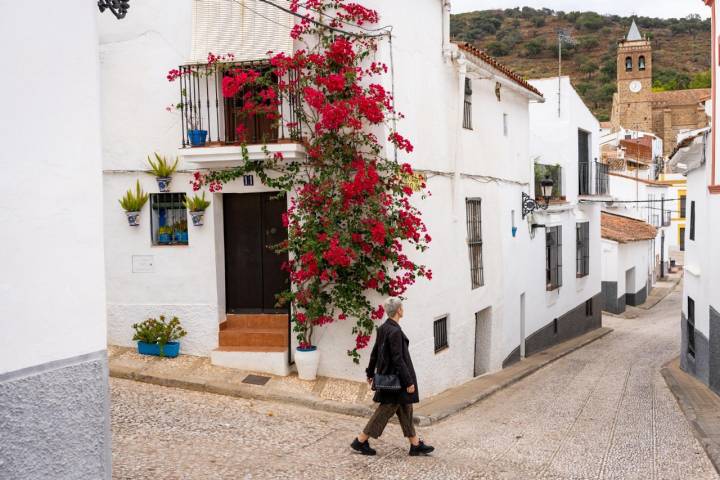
pixel 307 363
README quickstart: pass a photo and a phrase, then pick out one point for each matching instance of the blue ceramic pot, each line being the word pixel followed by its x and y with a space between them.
pixel 164 184
pixel 170 349
pixel 181 237
pixel 164 238
pixel 197 137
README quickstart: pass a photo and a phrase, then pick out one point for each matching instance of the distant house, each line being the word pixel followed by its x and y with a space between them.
pixel 627 264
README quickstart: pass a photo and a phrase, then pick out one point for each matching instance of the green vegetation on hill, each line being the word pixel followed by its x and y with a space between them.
pixel 526 40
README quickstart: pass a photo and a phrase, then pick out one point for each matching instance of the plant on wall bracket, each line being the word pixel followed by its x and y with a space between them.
pixel 350 220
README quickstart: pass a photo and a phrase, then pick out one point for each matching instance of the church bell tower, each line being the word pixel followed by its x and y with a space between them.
pixel 634 82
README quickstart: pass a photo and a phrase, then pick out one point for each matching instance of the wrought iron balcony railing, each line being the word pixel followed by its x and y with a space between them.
pixel 203 107
pixel 593 175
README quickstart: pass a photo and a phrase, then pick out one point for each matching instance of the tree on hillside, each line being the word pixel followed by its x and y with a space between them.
pixel 588 68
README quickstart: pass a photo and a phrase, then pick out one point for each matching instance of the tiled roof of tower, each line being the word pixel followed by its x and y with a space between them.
pixel 634 33
pixel 682 97
pixel 625 229
pixel 504 69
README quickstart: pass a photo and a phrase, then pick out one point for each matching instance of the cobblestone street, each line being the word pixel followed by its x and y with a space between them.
pixel 603 411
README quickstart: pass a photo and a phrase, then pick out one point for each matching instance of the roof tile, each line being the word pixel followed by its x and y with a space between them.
pixel 493 62
pixel 625 229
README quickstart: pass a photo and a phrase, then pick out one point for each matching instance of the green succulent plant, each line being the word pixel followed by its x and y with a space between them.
pixel 161 166
pixel 165 230
pixel 158 331
pixel 197 204
pixel 134 201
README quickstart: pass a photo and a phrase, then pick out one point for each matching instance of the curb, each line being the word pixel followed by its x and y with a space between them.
pixel 712 448
pixel 647 307
pixel 232 389
pixel 427 420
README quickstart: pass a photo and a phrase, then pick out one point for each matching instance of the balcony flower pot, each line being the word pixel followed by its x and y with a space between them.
pixel 197 138
pixel 198 218
pixel 170 349
pixel 163 184
pixel 307 361
pixel 133 218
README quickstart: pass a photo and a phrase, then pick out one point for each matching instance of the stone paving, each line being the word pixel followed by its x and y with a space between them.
pixel 603 411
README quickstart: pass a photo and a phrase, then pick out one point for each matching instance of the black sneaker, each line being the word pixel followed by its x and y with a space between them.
pixel 420 449
pixel 362 447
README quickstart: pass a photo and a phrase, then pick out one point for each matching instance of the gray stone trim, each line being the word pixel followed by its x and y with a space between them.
pixel 714 351
pixel 637 298
pixel 610 300
pixel 571 325
pixel 60 408
pixel 54 365
pixel 699 365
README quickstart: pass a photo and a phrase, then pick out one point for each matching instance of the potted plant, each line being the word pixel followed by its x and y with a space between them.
pixel 132 203
pixel 307 355
pixel 158 337
pixel 196 136
pixel 163 170
pixel 197 206
pixel 165 235
pixel 181 231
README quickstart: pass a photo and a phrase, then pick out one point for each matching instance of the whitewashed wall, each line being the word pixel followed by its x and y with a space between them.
pixel 52 298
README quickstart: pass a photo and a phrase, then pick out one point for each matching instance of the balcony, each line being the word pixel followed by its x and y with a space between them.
pixel 593 175
pixel 202 106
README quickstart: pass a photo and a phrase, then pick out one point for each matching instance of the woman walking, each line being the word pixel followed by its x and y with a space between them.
pixel 392 376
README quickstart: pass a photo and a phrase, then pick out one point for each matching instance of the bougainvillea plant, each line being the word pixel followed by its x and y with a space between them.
pixel 350 220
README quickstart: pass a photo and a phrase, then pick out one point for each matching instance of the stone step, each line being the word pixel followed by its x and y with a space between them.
pixel 254 337
pixel 259 320
pixel 274 361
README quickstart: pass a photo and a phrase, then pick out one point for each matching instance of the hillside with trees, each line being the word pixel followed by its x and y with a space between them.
pixel 526 39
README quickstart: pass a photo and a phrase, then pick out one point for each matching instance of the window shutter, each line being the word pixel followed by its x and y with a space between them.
pixel 246 28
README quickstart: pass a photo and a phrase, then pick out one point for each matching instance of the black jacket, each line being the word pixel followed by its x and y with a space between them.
pixel 391 355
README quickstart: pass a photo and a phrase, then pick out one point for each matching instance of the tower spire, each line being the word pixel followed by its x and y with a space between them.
pixel 634 33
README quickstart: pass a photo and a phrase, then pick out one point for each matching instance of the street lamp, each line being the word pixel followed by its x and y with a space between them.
pixel 530 205
pixel 119 8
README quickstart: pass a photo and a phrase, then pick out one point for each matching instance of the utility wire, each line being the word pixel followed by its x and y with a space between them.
pixel 386 27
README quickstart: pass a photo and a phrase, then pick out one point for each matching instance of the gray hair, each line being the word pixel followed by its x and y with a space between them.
pixel 392 305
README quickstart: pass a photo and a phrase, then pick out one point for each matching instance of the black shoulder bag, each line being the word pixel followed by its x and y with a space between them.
pixel 385 382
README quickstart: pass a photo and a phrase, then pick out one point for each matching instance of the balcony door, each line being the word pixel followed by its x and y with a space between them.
pixel 253 273
pixel 584 162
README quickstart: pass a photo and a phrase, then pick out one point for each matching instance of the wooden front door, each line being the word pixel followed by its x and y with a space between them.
pixel 253 273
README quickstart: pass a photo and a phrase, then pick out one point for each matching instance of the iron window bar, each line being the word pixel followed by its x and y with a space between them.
pixel 440 334
pixel 473 208
pixel 553 257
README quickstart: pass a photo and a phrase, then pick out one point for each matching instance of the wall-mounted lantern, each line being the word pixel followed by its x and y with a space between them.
pixel 118 8
pixel 530 205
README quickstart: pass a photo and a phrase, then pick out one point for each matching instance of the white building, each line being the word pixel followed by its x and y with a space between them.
pixel 54 415
pixel 700 345
pixel 468 117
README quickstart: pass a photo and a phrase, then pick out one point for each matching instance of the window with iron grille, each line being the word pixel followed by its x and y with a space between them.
pixel 441 334
pixel 692 220
pixel 583 249
pixel 553 257
pixel 474 229
pixel 691 326
pixel 589 307
pixel 168 219
pixel 467 111
pixel 682 238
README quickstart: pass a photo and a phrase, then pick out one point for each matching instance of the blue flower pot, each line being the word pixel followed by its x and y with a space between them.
pixel 164 238
pixel 197 137
pixel 163 184
pixel 170 349
pixel 181 237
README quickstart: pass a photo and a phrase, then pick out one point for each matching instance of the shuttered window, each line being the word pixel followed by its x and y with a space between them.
pixel 441 334
pixel 474 228
pixel 583 249
pixel 467 112
pixel 691 326
pixel 246 28
pixel 553 265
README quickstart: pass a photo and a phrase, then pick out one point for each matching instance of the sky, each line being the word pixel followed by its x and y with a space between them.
pixel 643 8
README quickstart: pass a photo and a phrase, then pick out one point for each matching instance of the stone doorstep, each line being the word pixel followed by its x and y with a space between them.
pixel 195 373
pixel 700 406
